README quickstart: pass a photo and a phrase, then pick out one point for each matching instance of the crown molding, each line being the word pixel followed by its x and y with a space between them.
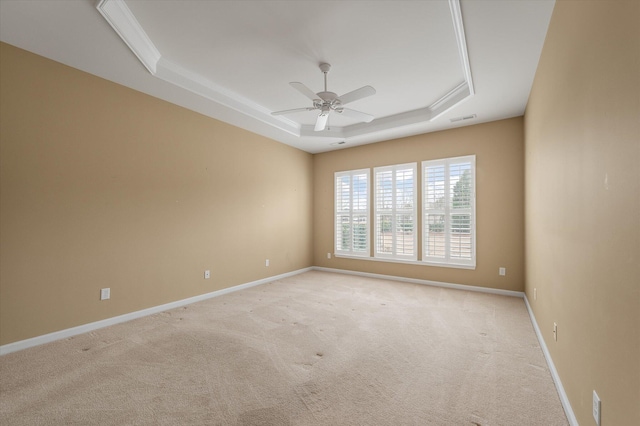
pixel 124 23
pixel 195 83
pixel 452 99
pixel 121 19
pixel 458 28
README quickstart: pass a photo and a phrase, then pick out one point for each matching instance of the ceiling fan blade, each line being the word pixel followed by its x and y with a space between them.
pixel 357 94
pixel 304 90
pixel 367 118
pixel 289 111
pixel 321 122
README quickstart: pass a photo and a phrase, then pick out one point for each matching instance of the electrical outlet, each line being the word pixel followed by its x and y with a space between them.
pixel 105 293
pixel 266 262
pixel 207 274
pixel 535 293
pixel 596 408
pixel 328 255
pixel 555 331
pixel 502 271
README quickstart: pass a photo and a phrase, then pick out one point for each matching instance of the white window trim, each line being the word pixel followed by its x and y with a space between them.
pixel 406 262
pixel 447 261
pixel 350 253
pixel 397 257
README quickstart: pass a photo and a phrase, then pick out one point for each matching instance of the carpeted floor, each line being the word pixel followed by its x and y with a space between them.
pixel 314 349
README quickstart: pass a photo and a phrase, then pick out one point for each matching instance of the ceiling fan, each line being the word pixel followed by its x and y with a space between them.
pixel 327 101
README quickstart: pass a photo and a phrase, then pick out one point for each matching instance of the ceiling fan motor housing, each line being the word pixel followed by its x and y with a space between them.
pixel 327 96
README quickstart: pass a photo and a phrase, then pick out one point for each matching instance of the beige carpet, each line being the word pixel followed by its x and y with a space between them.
pixel 313 349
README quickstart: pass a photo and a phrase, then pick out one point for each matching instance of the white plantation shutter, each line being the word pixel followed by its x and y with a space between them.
pixel 449 211
pixel 352 213
pixel 395 211
pixel 434 210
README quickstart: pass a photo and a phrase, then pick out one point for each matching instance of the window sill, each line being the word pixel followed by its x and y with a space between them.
pixel 408 262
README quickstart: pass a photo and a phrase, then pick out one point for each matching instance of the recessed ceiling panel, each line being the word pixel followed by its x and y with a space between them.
pixel 406 50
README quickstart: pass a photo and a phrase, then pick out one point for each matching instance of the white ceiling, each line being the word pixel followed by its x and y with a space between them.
pixel 430 61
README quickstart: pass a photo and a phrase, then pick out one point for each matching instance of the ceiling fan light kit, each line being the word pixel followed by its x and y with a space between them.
pixel 326 101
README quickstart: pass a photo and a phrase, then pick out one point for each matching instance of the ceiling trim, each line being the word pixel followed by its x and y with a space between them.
pixel 121 19
pixel 125 24
pixel 195 83
pixel 456 14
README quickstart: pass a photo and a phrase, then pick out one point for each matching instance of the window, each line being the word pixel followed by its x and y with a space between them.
pixel 448 213
pixel 448 222
pixel 352 213
pixel 395 212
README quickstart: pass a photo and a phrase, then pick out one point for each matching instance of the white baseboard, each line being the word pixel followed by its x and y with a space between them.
pixel 564 399
pixel 425 282
pixel 85 328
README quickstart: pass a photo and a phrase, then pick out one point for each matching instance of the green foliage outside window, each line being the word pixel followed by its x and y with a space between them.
pixel 462 191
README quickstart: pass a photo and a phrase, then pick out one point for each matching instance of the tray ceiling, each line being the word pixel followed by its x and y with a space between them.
pixel 431 62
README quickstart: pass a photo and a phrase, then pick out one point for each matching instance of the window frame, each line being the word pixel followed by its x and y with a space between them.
pixel 351 212
pixel 448 211
pixel 394 212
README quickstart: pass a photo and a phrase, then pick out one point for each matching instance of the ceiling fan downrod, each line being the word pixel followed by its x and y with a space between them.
pixel 326 96
pixel 324 67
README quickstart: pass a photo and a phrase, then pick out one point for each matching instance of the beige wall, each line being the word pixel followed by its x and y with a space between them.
pixel 582 137
pixel 103 186
pixel 499 150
